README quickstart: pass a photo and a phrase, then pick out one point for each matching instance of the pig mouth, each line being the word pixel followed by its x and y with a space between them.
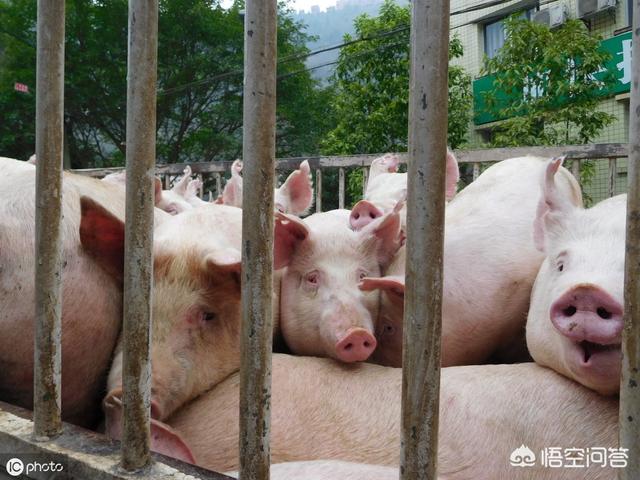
pixel 589 349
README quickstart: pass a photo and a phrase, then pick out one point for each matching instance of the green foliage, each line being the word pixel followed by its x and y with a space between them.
pixel 548 76
pixel 200 60
pixel 371 85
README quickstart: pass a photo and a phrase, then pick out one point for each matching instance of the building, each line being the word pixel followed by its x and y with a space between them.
pixel 479 25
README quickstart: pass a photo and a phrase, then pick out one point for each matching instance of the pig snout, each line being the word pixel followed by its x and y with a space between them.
pixel 587 313
pixel 356 345
pixel 363 214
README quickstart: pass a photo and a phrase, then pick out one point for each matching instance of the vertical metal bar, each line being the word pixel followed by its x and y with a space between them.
pixel 258 149
pixel 201 189
pixel 575 169
pixel 630 376
pixel 425 238
pixel 341 188
pixel 318 190
pixel 218 185
pixel 365 179
pixel 476 170
pixel 613 170
pixel 167 181
pixel 138 270
pixel 48 251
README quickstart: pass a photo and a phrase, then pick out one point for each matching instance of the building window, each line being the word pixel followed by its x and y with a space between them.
pixel 494 35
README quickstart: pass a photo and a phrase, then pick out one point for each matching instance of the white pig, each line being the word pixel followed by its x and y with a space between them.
pixel 490 263
pixel 91 288
pixel 294 196
pixel 329 470
pixel 322 311
pixel 196 310
pixel 575 320
pixel 386 188
pixel 325 410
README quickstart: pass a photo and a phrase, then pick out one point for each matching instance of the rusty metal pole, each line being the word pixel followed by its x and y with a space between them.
pixel 48 276
pixel 258 150
pixel 425 238
pixel 630 377
pixel 138 268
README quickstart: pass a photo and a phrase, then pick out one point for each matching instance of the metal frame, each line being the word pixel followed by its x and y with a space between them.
pixel 427 145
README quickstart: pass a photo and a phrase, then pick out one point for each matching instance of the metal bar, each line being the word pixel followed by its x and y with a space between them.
pixel 201 189
pixel 167 182
pixel 613 170
pixel 476 171
pixel 258 150
pixel 48 248
pixel 365 180
pixel 341 188
pixel 630 376
pixel 425 238
pixel 318 190
pixel 138 269
pixel 575 169
pixel 218 184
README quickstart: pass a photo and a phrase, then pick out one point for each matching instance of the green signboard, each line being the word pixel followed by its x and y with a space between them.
pixel 620 49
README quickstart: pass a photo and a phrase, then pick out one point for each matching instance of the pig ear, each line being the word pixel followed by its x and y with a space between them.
pixel 289 232
pixel 393 285
pixel 298 190
pixel 553 208
pixel 157 191
pixel 452 175
pixel 224 262
pixel 102 236
pixel 192 188
pixel 168 442
pixel 236 168
pixel 181 186
pixel 232 193
pixel 387 233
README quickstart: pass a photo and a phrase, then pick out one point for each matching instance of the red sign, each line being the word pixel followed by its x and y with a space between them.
pixel 21 87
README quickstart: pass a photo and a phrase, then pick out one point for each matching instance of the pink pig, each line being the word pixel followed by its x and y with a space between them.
pixel 490 263
pixel 575 320
pixel 322 311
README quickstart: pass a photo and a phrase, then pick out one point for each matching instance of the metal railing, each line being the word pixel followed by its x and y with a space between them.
pixel 427 137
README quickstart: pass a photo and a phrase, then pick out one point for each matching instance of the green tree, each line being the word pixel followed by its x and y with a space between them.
pixel 545 85
pixel 372 87
pixel 200 60
pixel 371 90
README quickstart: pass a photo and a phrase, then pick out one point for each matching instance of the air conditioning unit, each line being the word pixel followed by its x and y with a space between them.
pixel 591 8
pixel 552 17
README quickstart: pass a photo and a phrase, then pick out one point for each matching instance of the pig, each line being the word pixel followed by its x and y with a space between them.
pixel 490 264
pixel 322 311
pixel 183 196
pixel 386 188
pixel 91 289
pixel 195 334
pixel 322 409
pixel 575 320
pixel 329 470
pixel 294 196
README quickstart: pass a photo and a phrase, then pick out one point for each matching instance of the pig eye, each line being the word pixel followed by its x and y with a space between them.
pixel 388 329
pixel 208 317
pixel 312 278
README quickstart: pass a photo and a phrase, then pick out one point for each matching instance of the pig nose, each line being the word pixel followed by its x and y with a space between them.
pixel 589 313
pixel 356 346
pixel 363 214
